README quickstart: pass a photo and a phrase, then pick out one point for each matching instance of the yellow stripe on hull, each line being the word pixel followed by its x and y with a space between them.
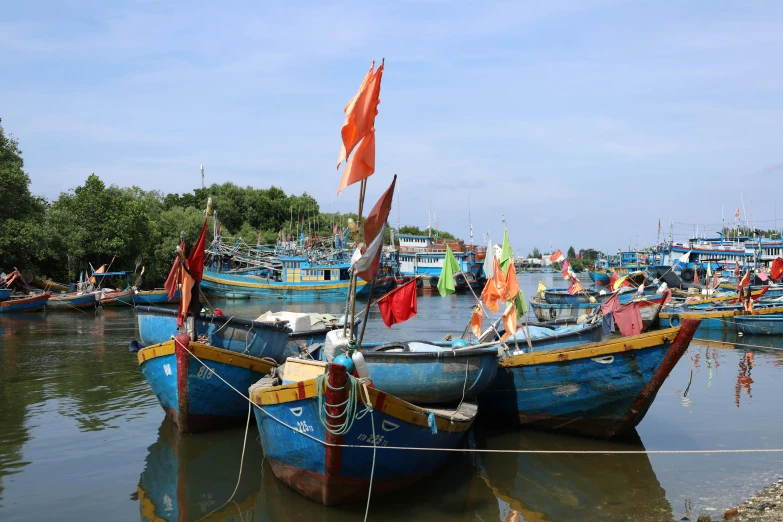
pixel 207 353
pixel 588 351
pixel 281 286
pixel 390 405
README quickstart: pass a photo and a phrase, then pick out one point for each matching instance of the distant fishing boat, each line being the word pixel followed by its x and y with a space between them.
pixel 269 339
pixel 333 466
pixel 422 257
pixel 422 372
pixel 153 297
pixel 191 395
pixel 599 276
pixel 562 296
pixel 715 318
pixel 24 304
pixel 72 301
pixel 108 297
pixel 48 284
pixel 600 390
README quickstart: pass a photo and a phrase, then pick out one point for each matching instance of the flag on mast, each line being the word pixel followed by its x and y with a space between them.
pixel 557 257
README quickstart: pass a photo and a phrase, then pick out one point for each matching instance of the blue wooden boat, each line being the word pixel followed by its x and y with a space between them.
pixel 333 468
pixel 561 296
pixel 153 297
pixel 421 372
pixel 715 318
pixel 192 396
pixel 24 304
pixel 259 339
pixel 74 301
pixel 759 324
pixel 549 337
pixel 547 311
pixel 187 477
pixel 298 278
pixel 600 390
pixel 599 277
pixel 5 293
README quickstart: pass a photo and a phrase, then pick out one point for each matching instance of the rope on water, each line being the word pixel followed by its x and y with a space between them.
pixel 241 464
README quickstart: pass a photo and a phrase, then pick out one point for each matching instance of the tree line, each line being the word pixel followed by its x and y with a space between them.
pixel 128 227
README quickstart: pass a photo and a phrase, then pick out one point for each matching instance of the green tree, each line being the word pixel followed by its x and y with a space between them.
pixel 571 253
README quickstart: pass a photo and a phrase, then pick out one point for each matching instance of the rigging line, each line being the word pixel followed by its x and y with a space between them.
pixel 478 450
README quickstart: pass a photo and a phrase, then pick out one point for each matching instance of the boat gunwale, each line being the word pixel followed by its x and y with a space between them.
pixel 595 349
pixel 265 325
pixel 209 353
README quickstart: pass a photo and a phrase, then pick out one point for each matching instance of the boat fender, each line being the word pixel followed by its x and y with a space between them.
pixel 361 366
pixel 674 320
pixel 419 282
pixel 459 343
pixel 432 423
pixel 552 312
pixel 346 361
pixel 434 280
pixel 687 275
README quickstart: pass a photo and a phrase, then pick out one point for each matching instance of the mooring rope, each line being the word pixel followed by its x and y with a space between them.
pixel 479 450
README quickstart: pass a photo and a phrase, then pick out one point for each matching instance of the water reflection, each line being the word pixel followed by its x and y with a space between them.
pixel 188 477
pixel 556 487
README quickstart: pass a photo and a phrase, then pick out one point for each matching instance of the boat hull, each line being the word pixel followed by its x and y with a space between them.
pixel 158 325
pixel 339 471
pixel 599 390
pixel 759 325
pixel 547 311
pixel 221 284
pixel 432 377
pixel 192 397
pixel 24 304
pixel 71 302
pixel 123 298
pixel 153 297
pixel 5 293
pixel 600 278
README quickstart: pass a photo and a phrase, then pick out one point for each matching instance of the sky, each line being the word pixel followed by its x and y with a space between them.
pixel 582 123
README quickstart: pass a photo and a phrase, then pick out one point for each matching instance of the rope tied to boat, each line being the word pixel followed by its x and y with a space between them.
pixel 349 410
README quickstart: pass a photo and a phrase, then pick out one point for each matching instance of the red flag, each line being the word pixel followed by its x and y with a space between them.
pixel 715 280
pixel 575 286
pixel 172 281
pixel 777 269
pixel 745 281
pixel 736 270
pixel 659 222
pixel 566 266
pixel 736 214
pixel 196 258
pixel 696 280
pixel 367 265
pixel 399 305
pixel 379 213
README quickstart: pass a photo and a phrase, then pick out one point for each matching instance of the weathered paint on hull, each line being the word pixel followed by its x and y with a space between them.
pixel 124 298
pixel 5 293
pixel 192 397
pixel 71 302
pixel 430 378
pixel 153 297
pixel 25 304
pixel 155 328
pixel 599 278
pixel 759 325
pixel 336 474
pixel 547 312
pixel 222 284
pixel 601 390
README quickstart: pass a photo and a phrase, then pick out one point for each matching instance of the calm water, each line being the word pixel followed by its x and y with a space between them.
pixel 83 437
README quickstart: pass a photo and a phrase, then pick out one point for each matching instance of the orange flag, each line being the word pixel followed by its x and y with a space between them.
pixel 476 321
pixel 512 286
pixel 490 294
pixel 379 213
pixel 361 165
pixel 510 320
pixel 360 112
pixel 184 301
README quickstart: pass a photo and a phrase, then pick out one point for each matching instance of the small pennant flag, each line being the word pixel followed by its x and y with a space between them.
pixel 557 257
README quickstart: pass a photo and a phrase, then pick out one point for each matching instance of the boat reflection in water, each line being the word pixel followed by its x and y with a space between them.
pixel 187 477
pixel 546 487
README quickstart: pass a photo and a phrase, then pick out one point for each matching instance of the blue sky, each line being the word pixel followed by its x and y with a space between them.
pixel 580 121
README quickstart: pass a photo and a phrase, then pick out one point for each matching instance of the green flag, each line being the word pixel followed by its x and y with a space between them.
pixel 446 280
pixel 521 304
pixel 505 253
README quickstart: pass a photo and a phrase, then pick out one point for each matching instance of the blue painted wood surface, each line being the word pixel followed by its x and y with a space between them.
pixel 24 304
pixel 221 283
pixel 71 302
pixel 211 403
pixel 595 396
pixel 599 278
pixel 153 297
pixel 301 462
pixel 158 327
pixel 5 293
pixel 759 324
pixel 430 377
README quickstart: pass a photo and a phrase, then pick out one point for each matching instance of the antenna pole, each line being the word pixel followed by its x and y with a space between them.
pixel 202 176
